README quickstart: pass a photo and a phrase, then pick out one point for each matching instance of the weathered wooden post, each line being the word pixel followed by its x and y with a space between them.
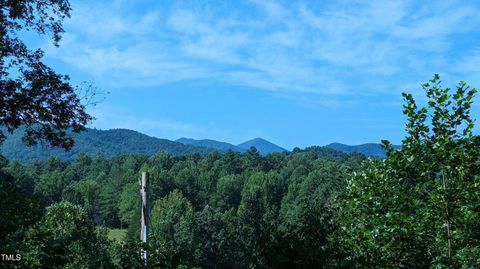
pixel 145 212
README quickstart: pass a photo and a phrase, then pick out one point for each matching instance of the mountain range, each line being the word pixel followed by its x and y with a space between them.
pixel 263 146
pixel 369 149
pixel 119 141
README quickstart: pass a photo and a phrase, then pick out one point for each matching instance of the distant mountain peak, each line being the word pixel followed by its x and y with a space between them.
pixel 258 139
pixel 262 145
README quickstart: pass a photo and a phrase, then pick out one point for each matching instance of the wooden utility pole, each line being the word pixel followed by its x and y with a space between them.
pixel 145 212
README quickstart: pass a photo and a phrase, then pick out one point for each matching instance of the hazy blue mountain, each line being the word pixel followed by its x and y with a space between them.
pixel 369 149
pixel 93 141
pixel 222 146
pixel 118 141
pixel 263 146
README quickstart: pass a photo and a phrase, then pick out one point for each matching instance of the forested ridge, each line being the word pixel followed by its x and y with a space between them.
pixel 314 208
pixel 122 141
pixel 368 149
pixel 92 142
pixel 419 207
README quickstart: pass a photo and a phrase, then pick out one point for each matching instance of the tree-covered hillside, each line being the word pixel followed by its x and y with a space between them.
pixel 209 143
pixel 369 149
pixel 92 142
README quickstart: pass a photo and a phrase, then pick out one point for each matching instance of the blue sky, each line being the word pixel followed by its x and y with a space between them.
pixel 295 73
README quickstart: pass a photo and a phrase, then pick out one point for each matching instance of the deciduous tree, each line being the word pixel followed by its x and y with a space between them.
pixel 419 208
pixel 32 95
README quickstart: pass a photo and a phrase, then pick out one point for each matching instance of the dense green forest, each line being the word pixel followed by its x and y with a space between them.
pixel 314 208
pixel 419 207
pixel 230 209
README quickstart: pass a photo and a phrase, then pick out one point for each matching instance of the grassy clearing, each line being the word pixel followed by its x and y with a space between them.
pixel 117 234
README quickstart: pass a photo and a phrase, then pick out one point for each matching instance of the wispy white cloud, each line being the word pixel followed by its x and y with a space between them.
pixel 469 65
pixel 108 117
pixel 336 49
pixel 148 125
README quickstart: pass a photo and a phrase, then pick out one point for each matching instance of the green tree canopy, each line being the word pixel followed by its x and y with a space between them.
pixel 172 224
pixel 32 95
pixel 419 208
pixel 65 238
